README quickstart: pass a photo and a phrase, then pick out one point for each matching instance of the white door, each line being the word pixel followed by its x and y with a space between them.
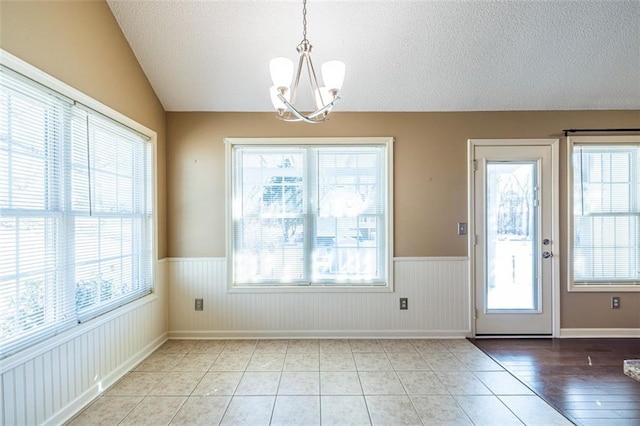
pixel 514 199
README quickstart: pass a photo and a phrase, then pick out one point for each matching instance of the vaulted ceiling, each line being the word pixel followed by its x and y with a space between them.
pixel 400 55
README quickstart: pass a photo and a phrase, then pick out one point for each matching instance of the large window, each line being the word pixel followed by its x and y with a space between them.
pixel 605 226
pixel 75 213
pixel 310 212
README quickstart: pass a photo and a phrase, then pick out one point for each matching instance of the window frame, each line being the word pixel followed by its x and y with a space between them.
pixel 386 142
pixel 83 101
pixel 572 285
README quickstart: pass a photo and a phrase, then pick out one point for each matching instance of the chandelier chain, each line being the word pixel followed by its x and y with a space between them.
pixel 304 20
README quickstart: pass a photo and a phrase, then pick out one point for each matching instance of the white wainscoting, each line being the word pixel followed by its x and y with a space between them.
pixel 437 289
pixel 49 383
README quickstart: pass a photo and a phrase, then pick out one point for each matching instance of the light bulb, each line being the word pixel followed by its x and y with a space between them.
pixel 333 75
pixel 281 71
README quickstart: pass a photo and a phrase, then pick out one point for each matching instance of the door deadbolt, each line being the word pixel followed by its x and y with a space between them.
pixel 546 242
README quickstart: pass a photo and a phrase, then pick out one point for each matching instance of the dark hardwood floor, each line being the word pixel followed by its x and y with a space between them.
pixel 582 378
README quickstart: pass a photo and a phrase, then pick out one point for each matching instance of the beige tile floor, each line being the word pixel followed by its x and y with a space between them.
pixel 313 382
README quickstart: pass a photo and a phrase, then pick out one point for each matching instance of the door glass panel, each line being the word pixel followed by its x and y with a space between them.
pixel 511 236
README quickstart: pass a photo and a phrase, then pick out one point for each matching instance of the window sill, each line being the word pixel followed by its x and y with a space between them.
pixel 604 288
pixel 311 289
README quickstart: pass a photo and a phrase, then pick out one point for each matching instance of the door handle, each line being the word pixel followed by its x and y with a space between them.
pixel 547 254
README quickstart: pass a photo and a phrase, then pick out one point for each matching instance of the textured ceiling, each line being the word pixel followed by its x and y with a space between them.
pixel 400 55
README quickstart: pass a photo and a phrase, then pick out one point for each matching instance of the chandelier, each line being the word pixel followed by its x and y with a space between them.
pixel 285 85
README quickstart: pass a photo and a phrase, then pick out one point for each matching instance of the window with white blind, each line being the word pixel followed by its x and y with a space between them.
pixel 310 213
pixel 605 225
pixel 76 217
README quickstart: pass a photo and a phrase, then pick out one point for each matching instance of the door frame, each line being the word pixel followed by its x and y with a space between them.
pixel 555 218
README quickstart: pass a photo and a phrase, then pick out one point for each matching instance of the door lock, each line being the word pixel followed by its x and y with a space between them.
pixel 545 242
pixel 547 254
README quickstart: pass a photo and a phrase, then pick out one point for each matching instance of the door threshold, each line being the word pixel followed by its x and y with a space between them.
pixel 514 336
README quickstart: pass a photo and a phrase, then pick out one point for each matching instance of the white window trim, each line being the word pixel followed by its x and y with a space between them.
pixel 583 140
pixel 332 288
pixel 60 88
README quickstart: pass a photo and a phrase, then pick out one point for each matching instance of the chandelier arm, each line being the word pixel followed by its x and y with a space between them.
pixel 296 81
pixel 294 111
pixel 324 109
pixel 313 79
pixel 308 118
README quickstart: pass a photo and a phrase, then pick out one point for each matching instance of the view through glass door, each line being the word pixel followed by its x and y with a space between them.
pixel 513 241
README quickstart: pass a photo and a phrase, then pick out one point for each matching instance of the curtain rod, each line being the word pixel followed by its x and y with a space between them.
pixel 567 131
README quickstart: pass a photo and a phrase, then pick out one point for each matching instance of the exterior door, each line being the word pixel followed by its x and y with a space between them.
pixel 514 198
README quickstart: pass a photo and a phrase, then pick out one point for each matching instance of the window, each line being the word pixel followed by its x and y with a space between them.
pixel 605 227
pixel 310 212
pixel 75 213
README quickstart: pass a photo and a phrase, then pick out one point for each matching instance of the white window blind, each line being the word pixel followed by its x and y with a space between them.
pixel 111 214
pixel 606 214
pixel 33 301
pixel 310 215
pixel 75 213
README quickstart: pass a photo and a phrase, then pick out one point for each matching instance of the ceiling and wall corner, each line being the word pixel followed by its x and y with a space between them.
pixel 400 55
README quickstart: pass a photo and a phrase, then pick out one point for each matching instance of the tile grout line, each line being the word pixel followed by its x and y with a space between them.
pixel 542 397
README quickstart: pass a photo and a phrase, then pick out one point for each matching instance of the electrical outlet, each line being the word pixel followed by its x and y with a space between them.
pixel 199 304
pixel 404 303
pixel 615 302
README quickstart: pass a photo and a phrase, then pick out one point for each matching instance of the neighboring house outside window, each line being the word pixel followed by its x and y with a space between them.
pixel 310 212
pixel 605 204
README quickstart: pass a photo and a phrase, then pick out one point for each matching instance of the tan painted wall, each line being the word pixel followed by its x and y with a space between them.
pixel 81 44
pixel 430 180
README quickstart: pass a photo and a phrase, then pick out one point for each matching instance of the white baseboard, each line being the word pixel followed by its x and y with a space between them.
pixel 92 393
pixel 600 333
pixel 319 334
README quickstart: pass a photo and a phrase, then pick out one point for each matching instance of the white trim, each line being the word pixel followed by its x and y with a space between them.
pixel 511 142
pixel 603 140
pixel 195 259
pixel 36 74
pixel 390 207
pixel 599 333
pixel 432 259
pixel 591 288
pixel 51 82
pixel 555 213
pixel 318 334
pixel 386 142
pixel 374 140
pixel 471 235
pixel 555 237
pixel 75 406
pixel 315 288
pixel 395 259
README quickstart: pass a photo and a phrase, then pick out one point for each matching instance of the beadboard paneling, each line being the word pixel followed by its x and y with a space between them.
pixel 50 382
pixel 437 289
